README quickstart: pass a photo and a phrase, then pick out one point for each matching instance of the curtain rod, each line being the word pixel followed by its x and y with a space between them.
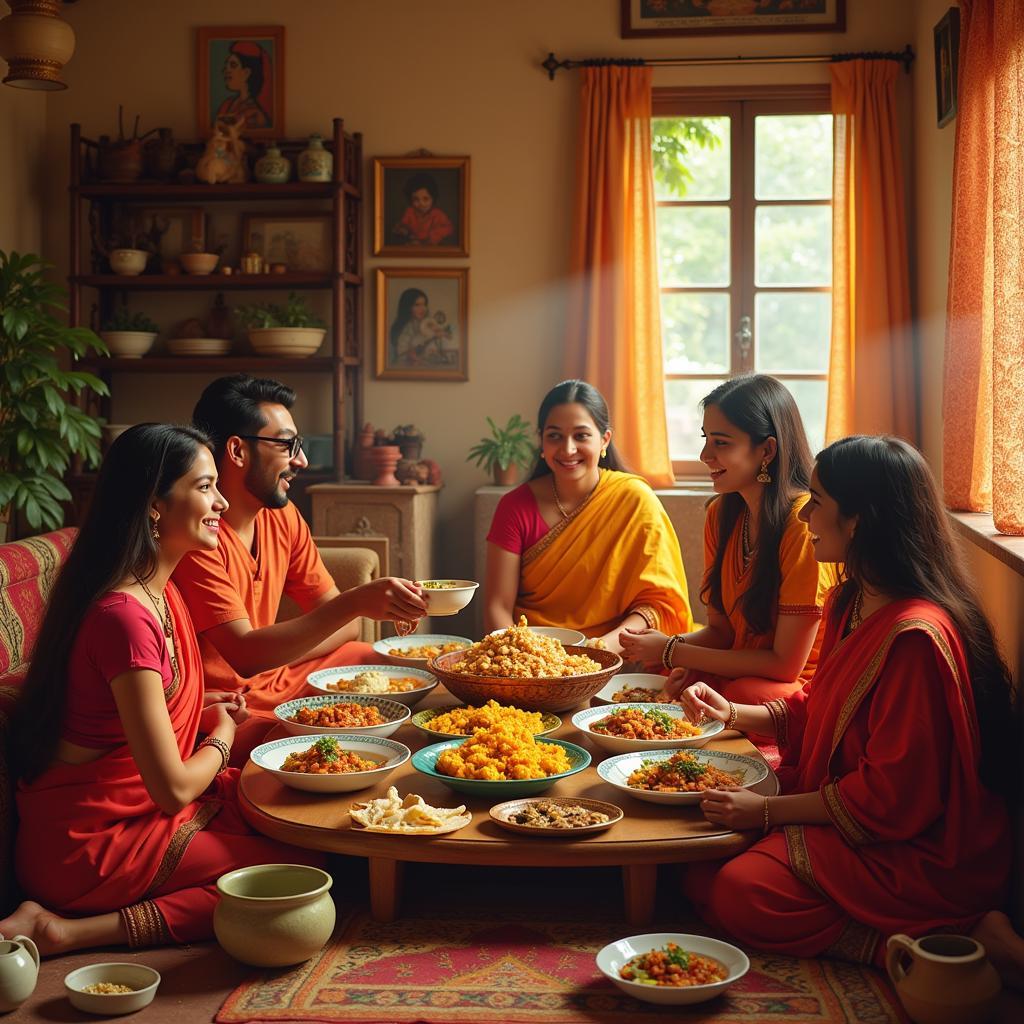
pixel 552 64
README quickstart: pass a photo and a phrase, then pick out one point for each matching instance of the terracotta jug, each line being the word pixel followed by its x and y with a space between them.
pixel 19 971
pixel 942 979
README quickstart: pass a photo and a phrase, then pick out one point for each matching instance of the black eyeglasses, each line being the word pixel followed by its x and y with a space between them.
pixel 292 444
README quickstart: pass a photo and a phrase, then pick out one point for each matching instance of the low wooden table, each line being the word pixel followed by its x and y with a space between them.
pixel 648 835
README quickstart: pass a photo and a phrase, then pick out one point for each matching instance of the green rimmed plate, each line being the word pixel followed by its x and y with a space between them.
pixel 422 720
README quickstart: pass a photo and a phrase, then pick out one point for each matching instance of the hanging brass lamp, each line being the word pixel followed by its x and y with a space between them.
pixel 36 44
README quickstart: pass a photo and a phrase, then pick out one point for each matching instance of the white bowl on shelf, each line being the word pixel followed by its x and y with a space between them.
pixel 292 342
pixel 128 344
pixel 199 346
pixel 128 262
pixel 199 263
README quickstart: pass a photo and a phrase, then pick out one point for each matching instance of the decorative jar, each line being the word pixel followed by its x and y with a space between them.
pixel 315 162
pixel 19 971
pixel 272 168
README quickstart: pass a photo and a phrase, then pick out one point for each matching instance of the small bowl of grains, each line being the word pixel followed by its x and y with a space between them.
pixel 112 989
pixel 447 597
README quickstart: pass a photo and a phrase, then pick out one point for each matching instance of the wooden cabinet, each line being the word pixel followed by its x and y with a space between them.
pixel 93 289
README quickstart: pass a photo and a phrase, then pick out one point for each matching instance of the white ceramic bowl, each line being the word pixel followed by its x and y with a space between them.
pixel 286 341
pixel 616 770
pixel 199 346
pixel 201 263
pixel 583 720
pixel 337 676
pixel 393 713
pixel 628 681
pixel 616 954
pixel 388 647
pixel 128 262
pixel 128 344
pixel 137 976
pixel 270 756
pixel 566 637
pixel 450 599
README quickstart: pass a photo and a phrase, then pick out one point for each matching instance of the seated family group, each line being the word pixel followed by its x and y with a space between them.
pixel 840 625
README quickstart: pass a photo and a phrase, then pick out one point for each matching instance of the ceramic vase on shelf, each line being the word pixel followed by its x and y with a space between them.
pixel 272 168
pixel 315 163
pixel 385 461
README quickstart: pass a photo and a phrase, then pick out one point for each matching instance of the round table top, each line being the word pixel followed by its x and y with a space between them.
pixel 649 833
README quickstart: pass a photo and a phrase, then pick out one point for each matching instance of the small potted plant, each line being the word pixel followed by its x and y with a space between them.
pixel 129 335
pixel 506 451
pixel 288 330
pixel 410 439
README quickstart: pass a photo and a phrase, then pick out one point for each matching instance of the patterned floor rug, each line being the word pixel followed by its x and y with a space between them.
pixel 525 967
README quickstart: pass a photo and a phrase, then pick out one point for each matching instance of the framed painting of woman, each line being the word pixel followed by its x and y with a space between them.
pixel 240 72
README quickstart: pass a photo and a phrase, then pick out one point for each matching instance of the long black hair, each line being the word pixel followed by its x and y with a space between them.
pixel 903 546
pixel 403 314
pixel 582 393
pixel 761 407
pixel 115 542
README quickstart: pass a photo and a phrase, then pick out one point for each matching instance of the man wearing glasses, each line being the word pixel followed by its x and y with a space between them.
pixel 265 550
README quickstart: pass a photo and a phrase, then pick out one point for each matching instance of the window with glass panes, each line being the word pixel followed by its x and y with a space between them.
pixel 744 214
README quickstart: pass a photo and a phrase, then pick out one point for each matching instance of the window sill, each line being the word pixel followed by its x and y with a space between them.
pixel 979 529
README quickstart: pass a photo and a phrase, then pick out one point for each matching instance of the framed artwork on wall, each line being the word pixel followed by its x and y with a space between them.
pixel 302 242
pixel 240 75
pixel 642 18
pixel 422 324
pixel 947 52
pixel 421 206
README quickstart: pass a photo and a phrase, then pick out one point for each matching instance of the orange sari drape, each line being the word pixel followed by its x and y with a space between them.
pixel 614 322
pixel 871 384
pixel 983 382
pixel 617 553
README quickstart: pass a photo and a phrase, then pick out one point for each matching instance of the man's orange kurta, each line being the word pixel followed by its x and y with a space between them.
pixel 232 582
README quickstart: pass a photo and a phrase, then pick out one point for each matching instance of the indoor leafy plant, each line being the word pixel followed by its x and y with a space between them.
pixel 288 330
pixel 508 448
pixel 40 427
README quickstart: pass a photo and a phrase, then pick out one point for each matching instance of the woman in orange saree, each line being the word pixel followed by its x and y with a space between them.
pixel 896 757
pixel 763 587
pixel 584 544
pixel 124 822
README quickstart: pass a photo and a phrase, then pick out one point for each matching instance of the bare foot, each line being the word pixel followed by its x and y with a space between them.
pixel 1003 945
pixel 48 931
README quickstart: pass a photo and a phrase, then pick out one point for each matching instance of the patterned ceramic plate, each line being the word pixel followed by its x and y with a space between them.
pixel 502 814
pixel 584 720
pixel 391 711
pixel 388 754
pixel 422 720
pixel 390 649
pixel 332 681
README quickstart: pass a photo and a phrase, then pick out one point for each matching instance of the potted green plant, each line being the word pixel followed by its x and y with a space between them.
pixel 40 428
pixel 506 451
pixel 129 335
pixel 288 330
pixel 410 439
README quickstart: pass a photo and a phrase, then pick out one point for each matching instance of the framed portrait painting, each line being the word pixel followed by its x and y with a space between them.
pixel 641 18
pixel 302 242
pixel 422 324
pixel 947 52
pixel 240 75
pixel 421 206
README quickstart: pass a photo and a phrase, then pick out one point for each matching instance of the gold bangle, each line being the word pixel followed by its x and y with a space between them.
pixel 766 826
pixel 733 714
pixel 221 747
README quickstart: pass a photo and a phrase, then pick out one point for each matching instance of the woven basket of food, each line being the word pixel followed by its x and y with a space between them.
pixel 536 673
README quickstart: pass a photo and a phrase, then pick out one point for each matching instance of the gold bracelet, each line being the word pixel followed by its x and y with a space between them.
pixel 221 747
pixel 733 713
pixel 766 825
pixel 670 647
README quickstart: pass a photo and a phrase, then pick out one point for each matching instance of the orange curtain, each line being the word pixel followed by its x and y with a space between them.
pixel 983 384
pixel 614 329
pixel 871 387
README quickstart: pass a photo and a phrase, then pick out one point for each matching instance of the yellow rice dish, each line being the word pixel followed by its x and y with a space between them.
pixel 463 721
pixel 501 754
pixel 516 653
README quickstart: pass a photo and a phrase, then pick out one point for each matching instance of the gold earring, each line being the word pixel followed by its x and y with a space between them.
pixel 153 528
pixel 763 477
pixel 604 452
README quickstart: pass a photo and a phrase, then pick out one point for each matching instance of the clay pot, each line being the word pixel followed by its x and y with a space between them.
pixel 506 477
pixel 121 161
pixel 942 979
pixel 412 448
pixel 385 461
pixel 274 915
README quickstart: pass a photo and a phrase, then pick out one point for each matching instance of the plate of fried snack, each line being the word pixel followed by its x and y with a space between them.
pixel 623 728
pixel 566 816
pixel 357 713
pixel 406 685
pixel 680 776
pixel 331 763
pixel 633 688
pixel 465 719
pixel 417 649
pixel 410 815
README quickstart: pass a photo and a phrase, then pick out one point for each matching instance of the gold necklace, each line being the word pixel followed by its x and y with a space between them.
pixel 748 551
pixel 561 507
pixel 164 617
pixel 855 612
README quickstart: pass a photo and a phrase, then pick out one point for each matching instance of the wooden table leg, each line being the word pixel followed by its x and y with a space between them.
pixel 385 888
pixel 640 883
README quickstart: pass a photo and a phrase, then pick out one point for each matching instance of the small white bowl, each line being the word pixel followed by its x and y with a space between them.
pixel 137 976
pixel 616 770
pixel 616 954
pixel 393 713
pixel 200 263
pixel 128 262
pixel 566 637
pixel 386 647
pixel 199 346
pixel 322 679
pixel 391 755
pixel 449 599
pixel 628 681
pixel 583 720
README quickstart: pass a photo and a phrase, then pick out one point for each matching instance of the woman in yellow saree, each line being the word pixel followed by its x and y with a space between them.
pixel 583 544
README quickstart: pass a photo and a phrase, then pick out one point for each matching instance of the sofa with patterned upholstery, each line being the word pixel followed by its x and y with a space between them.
pixel 28 569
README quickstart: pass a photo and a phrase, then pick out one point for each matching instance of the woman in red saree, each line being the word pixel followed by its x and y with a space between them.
pixel 125 824
pixel 896 757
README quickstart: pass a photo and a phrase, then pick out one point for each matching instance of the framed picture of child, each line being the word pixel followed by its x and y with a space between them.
pixel 422 324
pixel 240 77
pixel 421 205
